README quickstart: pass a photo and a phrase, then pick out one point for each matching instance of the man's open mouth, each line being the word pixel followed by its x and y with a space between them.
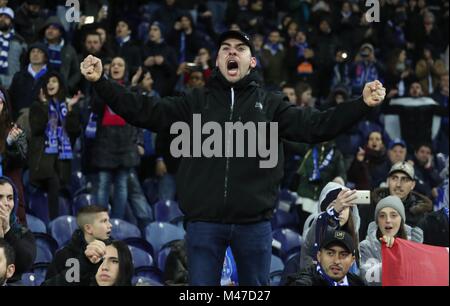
pixel 232 67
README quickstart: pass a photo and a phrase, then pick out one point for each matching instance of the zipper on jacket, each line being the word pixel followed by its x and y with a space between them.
pixel 227 150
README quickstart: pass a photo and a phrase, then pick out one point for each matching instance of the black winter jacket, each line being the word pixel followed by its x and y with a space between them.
pixel 310 277
pixel 230 190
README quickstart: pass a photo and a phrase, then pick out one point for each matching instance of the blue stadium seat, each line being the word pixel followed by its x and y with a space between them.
pixel 39 271
pixel 82 200
pixel 145 281
pixel 151 273
pixel 28 279
pixel 276 270
pixel 140 258
pixel 122 230
pixel 285 242
pixel 285 215
pixel 65 206
pixel 35 224
pixel 78 183
pixel 46 247
pixel 62 229
pixel 159 233
pixel 162 257
pixel 139 243
pixel 38 205
pixel 167 211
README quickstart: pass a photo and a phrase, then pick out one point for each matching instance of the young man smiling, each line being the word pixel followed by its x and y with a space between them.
pixel 229 201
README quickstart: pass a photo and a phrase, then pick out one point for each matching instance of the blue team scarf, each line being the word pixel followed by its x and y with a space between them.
pixel 330 281
pixel 445 209
pixel 91 128
pixel 57 141
pixel 54 54
pixel 301 49
pixel 5 41
pixel 273 48
pixel 315 176
pixel 229 271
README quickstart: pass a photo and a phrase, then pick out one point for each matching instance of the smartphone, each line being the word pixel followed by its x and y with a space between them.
pixel 89 20
pixel 363 197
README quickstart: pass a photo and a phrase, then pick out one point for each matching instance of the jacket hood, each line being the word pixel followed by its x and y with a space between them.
pixel 14 223
pixel 329 193
pixel 52 20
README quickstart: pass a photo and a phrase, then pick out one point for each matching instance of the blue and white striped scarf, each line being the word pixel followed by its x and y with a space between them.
pixel 57 141
pixel 5 40
pixel 54 53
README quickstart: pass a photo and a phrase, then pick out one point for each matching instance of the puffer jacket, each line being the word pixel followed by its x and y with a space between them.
pixel 371 252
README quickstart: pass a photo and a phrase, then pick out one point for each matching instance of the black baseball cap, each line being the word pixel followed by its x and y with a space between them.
pixel 338 237
pixel 237 35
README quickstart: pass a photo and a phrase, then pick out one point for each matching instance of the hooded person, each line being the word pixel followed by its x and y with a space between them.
pixel 389 223
pixel 18 236
pixel 335 213
pixel 62 56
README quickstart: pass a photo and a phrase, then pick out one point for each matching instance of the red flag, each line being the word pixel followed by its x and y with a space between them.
pixel 414 264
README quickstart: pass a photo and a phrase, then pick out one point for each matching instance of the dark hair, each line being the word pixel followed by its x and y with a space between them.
pixel 5 120
pixel 61 94
pixel 400 234
pixel 10 255
pixel 349 227
pixel 92 32
pixel 4 181
pixel 423 144
pixel 126 269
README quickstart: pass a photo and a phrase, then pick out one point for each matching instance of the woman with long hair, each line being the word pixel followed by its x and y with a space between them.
pixel 389 224
pixel 55 125
pixel 13 150
pixel 113 268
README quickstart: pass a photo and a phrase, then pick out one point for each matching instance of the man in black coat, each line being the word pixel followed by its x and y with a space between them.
pixel 335 257
pixel 229 200
pixel 94 229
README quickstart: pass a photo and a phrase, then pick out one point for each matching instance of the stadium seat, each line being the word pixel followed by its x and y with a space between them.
pixel 62 229
pixel 82 200
pixel 159 233
pixel 162 257
pixel 38 205
pixel 140 258
pixel 167 211
pixel 286 242
pixel 139 243
pixel 276 270
pixel 145 281
pixel 78 183
pixel 35 224
pixel 28 280
pixel 151 273
pixel 122 230
pixel 39 271
pixel 46 247
pixel 65 206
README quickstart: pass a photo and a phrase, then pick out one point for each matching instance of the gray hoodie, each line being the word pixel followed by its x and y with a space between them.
pixel 371 252
pixel 307 256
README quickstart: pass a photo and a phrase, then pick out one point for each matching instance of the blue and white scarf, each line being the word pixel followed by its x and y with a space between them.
pixel 330 281
pixel 317 169
pixel 273 48
pixel 91 127
pixel 54 54
pixel 301 47
pixel 57 141
pixel 5 40
pixel 37 75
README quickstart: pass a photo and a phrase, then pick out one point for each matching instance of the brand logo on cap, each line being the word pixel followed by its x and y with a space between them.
pixel 339 235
